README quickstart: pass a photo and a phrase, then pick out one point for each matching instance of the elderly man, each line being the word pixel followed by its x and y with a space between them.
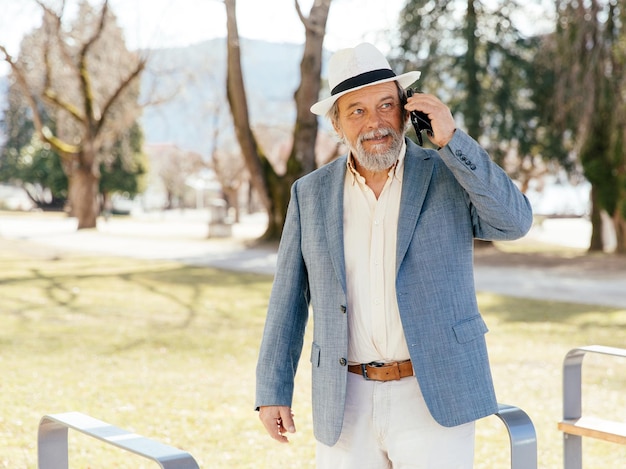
pixel 379 244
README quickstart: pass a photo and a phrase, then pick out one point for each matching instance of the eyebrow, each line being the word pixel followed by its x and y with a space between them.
pixel 359 103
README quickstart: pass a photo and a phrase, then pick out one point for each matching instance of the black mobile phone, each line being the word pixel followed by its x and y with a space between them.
pixel 419 119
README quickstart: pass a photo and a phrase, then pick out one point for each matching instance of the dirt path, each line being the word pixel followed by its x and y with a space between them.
pixel 598 279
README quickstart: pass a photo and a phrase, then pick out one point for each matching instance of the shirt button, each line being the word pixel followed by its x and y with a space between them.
pixel 343 361
pixel 342 308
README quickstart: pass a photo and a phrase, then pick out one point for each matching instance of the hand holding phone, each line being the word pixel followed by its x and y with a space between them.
pixel 419 119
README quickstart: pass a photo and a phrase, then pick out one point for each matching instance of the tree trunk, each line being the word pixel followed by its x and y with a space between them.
pixel 238 102
pixel 305 131
pixel 231 195
pixel 473 108
pixel 596 244
pixel 302 157
pixel 620 232
pixel 83 196
pixel 273 189
pixel 472 111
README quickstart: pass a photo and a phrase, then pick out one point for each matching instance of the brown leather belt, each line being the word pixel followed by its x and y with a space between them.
pixel 383 371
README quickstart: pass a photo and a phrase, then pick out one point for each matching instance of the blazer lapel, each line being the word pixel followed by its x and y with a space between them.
pixel 418 170
pixel 331 198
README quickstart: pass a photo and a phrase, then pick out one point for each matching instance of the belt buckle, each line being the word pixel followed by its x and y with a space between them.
pixel 373 365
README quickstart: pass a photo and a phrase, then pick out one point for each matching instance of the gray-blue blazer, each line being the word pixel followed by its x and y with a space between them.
pixel 449 197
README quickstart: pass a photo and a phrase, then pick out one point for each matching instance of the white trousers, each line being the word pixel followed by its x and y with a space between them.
pixel 387 425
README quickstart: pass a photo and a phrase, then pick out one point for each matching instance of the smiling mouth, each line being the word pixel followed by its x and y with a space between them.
pixel 375 137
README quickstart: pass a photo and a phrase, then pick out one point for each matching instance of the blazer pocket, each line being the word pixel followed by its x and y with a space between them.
pixel 470 329
pixel 316 351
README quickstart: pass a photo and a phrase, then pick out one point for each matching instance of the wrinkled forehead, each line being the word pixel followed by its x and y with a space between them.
pixel 369 95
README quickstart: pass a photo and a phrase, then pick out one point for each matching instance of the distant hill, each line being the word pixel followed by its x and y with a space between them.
pixel 195 79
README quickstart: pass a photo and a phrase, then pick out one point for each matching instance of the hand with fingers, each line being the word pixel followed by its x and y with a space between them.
pixel 277 420
pixel 441 120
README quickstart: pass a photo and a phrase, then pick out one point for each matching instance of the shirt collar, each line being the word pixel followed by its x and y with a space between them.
pixel 395 171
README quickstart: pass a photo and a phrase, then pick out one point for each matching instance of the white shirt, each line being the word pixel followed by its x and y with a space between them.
pixel 370 232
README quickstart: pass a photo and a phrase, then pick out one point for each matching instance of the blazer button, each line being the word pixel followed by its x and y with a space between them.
pixel 343 309
pixel 343 361
pixel 473 167
pixel 459 153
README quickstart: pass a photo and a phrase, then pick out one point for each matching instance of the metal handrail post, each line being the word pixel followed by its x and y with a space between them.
pixel 522 436
pixel 572 398
pixel 52 442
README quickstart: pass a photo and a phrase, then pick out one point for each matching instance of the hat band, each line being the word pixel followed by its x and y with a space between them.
pixel 363 79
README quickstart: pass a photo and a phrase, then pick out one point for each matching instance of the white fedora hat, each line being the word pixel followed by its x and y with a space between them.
pixel 356 68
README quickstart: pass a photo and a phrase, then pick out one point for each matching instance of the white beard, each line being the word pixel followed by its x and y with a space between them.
pixel 373 160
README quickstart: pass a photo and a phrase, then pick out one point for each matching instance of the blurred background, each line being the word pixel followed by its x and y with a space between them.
pixel 147 148
pixel 538 83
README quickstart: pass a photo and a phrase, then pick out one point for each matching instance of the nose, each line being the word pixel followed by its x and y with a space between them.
pixel 374 119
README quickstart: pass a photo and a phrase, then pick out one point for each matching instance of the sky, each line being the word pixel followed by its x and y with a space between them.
pixel 169 23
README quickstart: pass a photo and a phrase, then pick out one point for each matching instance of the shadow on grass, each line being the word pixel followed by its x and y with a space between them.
pixel 131 303
pixel 522 310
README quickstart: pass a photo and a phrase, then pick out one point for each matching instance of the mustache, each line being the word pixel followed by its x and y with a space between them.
pixel 375 134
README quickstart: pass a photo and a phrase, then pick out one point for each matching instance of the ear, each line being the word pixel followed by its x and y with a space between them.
pixel 338 130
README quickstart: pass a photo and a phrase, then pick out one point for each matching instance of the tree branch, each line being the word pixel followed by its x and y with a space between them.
pixel 94 122
pixel 303 18
pixel 52 96
pixel 59 145
pixel 48 92
pixel 306 21
pixel 141 65
pixel 56 17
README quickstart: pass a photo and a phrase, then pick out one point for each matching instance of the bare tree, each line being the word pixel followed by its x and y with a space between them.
pixel 232 174
pixel 174 168
pixel 273 189
pixel 88 82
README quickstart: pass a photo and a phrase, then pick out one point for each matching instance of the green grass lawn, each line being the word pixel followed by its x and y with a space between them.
pixel 169 351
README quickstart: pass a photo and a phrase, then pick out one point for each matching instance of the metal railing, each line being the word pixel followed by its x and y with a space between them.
pixel 574 426
pixel 52 442
pixel 522 436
